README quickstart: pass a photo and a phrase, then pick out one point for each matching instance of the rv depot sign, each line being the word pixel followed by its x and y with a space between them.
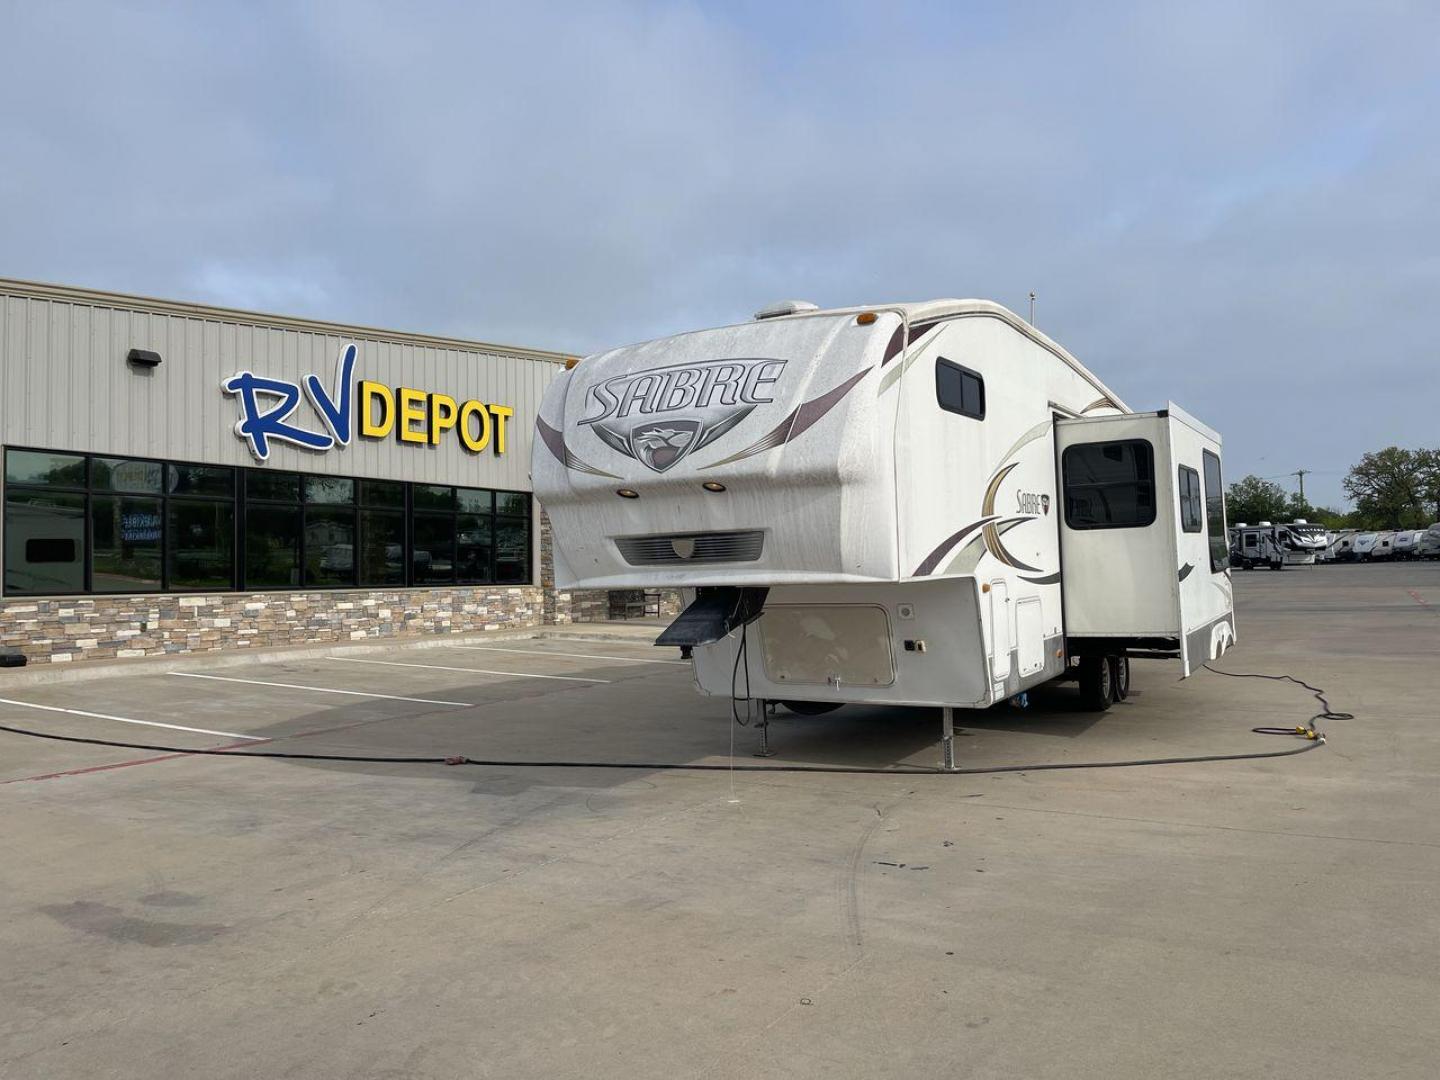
pixel 346 408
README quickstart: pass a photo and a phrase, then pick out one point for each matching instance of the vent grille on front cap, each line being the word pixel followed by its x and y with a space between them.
pixel 692 548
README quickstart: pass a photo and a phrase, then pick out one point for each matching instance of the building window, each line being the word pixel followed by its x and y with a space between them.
pixel 1109 485
pixel 1215 513
pixel 95 524
pixel 382 533
pixel 125 544
pixel 1190 511
pixel 959 390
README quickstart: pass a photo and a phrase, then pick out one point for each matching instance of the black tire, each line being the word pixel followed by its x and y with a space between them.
pixel 1120 677
pixel 811 708
pixel 1097 687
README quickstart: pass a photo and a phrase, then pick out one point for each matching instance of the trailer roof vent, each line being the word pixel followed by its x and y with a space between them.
pixel 785 307
pixel 1264 524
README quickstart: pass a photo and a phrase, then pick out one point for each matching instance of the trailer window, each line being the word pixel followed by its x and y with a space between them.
pixel 959 390
pixel 1215 513
pixel 1190 511
pixel 1109 485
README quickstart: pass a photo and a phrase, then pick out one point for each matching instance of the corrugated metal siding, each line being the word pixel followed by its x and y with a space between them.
pixel 65 385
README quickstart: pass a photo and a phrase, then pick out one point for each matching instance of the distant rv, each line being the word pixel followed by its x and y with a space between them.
pixel 1407 543
pixel 1257 545
pixel 1428 545
pixel 1304 543
pixel 1341 547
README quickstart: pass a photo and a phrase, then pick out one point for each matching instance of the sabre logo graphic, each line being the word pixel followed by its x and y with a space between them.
pixel 678 409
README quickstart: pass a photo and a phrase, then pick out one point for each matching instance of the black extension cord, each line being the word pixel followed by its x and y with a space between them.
pixel 1314 738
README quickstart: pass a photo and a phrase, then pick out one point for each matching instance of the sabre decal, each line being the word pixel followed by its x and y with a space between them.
pixel 661 415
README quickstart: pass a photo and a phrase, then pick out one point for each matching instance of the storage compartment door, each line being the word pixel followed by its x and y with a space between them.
pixel 1001 633
pixel 827 645
pixel 1029 636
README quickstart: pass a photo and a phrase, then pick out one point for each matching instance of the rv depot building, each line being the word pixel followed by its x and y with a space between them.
pixel 180 478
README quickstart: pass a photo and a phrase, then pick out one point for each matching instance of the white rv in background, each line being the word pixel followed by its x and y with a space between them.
pixel 1428 546
pixel 1405 541
pixel 1342 546
pixel 912 504
pixel 1384 546
pixel 1364 546
pixel 1261 544
pixel 1303 542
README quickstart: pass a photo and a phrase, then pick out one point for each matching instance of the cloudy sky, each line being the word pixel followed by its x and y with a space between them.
pixel 1234 205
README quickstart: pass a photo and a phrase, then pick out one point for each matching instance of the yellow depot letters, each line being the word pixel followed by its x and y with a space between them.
pixel 420 417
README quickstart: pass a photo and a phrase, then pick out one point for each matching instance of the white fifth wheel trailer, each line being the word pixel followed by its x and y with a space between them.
pixel 916 504
pixel 1304 542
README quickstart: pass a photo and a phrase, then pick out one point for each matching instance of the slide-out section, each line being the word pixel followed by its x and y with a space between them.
pixel 1143 543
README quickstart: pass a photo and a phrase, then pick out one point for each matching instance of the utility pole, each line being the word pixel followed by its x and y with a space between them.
pixel 1301 473
pixel 1032 307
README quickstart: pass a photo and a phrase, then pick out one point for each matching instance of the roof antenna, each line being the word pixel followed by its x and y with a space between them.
pixel 1032 307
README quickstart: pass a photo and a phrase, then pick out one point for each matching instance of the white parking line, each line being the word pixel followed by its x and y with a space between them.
pixel 577 655
pixel 467 670
pixel 321 689
pixel 128 720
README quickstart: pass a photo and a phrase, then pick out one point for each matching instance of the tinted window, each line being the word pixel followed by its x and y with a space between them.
pixel 382 547
pixel 281 487
pixel 512 502
pixel 1190 503
pixel 512 550
pixel 329 546
pixel 44 542
pixel 431 497
pixel 959 390
pixel 1215 513
pixel 434 554
pixel 382 493
pixel 474 500
pixel 120 474
pixel 52 470
pixel 272 547
pixel 125 544
pixel 1109 485
pixel 201 544
pixel 335 490
pixel 202 480
pixel 472 548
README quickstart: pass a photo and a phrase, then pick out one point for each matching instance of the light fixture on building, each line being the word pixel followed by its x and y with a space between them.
pixel 713 485
pixel 144 358
pixel 627 493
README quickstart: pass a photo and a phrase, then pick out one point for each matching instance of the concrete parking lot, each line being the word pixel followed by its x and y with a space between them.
pixel 171 915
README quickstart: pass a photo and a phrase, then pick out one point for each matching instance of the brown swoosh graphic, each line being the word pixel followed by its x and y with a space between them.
pixel 555 442
pixel 801 418
pixel 933 559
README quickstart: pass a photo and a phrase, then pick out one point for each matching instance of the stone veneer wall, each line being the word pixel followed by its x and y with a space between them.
pixel 101 627
pixel 60 629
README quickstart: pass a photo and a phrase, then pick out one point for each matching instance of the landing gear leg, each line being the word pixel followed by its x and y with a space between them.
pixel 947 738
pixel 763 723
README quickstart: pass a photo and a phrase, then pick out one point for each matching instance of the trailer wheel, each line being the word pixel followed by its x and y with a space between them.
pixel 1120 676
pixel 811 708
pixel 1097 684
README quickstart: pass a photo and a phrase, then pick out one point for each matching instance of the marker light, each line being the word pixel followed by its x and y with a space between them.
pixel 627 493
pixel 713 485
pixel 571 362
pixel 865 318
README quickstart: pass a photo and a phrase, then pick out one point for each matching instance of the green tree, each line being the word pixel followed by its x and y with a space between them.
pixel 1388 488
pixel 1252 499
pixel 1430 482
